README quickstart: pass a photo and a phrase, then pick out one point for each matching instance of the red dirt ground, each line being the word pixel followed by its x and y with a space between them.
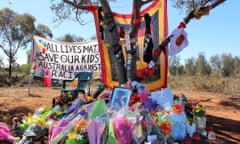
pixel 223 111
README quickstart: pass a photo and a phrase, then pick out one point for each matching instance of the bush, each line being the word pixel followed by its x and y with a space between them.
pixel 25 68
pixel 205 83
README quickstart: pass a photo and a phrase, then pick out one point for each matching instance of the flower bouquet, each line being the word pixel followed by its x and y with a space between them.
pixel 79 135
pixel 199 110
pixel 164 122
pixel 166 130
pixel 199 116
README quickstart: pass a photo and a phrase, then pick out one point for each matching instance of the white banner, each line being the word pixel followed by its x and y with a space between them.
pixel 63 60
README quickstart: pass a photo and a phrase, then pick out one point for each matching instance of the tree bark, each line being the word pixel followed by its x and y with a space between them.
pixel 191 15
pixel 114 42
pixel 132 57
pixel 113 32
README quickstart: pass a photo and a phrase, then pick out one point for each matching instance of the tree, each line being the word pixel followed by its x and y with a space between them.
pixel 190 65
pixel 227 65
pixel 25 68
pixel 67 8
pixel 16 32
pixel 196 8
pixel 202 66
pixel 173 65
pixel 70 38
pixel 78 7
pixel 1 62
pixel 216 63
pixel 236 64
pixel 43 31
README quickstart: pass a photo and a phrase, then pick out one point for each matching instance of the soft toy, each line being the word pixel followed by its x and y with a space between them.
pixel 5 133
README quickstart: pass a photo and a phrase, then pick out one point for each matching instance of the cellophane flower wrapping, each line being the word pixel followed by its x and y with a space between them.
pixel 139 134
pixel 164 123
pixel 95 131
pixel 98 108
pixel 164 98
pixel 111 138
pixel 62 129
pixel 190 128
pixel 123 129
pixel 56 129
pixel 178 124
pixel 200 122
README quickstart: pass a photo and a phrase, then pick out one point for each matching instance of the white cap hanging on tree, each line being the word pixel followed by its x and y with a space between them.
pixel 178 40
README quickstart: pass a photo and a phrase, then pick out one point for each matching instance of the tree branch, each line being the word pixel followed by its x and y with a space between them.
pixel 217 3
pixel 197 13
pixel 202 10
pixel 145 2
pixel 78 6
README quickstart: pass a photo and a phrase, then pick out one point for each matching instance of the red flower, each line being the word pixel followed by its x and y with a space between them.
pixel 134 98
pixel 178 108
pixel 166 128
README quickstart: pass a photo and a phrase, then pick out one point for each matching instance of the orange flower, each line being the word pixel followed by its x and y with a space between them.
pixel 81 126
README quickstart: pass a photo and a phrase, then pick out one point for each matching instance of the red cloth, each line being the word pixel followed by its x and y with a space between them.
pixel 47 81
pixel 145 73
pixel 91 7
pixel 137 22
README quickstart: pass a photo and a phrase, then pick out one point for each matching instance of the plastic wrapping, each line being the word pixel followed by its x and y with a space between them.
pixel 178 124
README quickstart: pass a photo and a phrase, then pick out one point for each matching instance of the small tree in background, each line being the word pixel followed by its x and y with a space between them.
pixel 227 65
pixel 236 64
pixel 16 32
pixel 173 65
pixel 70 38
pixel 190 66
pixel 202 66
pixel 216 63
pixel 25 68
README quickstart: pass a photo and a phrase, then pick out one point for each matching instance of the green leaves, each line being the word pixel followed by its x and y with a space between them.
pixel 16 32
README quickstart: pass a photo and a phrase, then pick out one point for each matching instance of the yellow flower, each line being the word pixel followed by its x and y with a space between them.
pixel 39 121
pixel 72 136
pixel 199 110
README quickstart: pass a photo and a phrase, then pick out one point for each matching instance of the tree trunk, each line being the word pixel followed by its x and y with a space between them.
pixel 10 67
pixel 133 34
pixel 114 42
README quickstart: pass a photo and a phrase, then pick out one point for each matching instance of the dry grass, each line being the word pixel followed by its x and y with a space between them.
pixel 230 86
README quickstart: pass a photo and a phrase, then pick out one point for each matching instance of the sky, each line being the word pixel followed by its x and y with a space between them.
pixel 214 34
